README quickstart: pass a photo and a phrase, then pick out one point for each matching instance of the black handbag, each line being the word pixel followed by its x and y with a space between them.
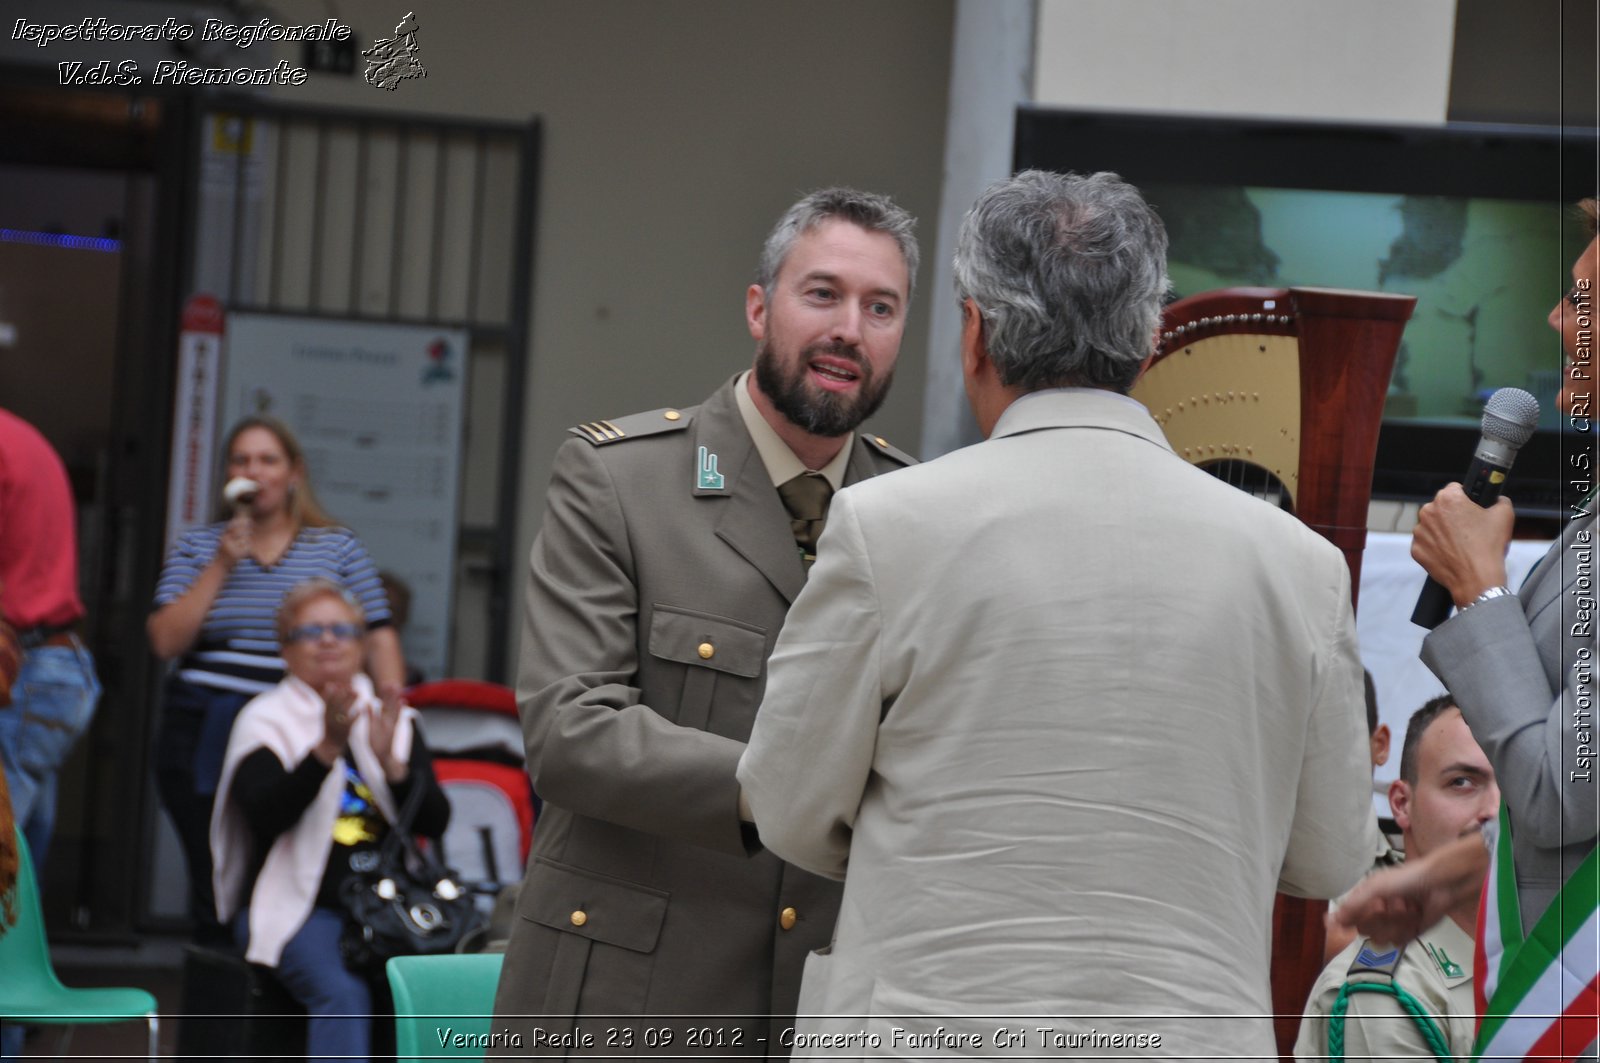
pixel 407 904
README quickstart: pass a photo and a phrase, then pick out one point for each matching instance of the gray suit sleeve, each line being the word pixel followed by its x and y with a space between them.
pixel 594 748
pixel 1487 658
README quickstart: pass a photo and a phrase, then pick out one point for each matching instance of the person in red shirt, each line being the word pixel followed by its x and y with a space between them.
pixel 54 696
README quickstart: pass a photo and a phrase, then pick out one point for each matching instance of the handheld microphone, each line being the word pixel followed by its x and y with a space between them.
pixel 1509 418
pixel 240 492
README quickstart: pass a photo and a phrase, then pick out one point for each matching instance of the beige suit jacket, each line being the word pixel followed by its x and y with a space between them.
pixel 1063 711
pixel 657 587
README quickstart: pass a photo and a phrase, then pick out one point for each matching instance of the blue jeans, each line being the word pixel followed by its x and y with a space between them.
pixel 338 1001
pixel 52 703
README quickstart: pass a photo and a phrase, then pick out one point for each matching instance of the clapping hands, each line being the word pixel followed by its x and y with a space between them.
pixel 382 729
pixel 340 710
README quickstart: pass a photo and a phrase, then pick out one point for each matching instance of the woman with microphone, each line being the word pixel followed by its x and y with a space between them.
pixel 215 608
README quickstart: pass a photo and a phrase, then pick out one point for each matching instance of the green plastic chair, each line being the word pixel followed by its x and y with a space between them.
pixel 30 990
pixel 443 1004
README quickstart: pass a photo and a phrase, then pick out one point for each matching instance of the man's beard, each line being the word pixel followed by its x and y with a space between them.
pixel 820 412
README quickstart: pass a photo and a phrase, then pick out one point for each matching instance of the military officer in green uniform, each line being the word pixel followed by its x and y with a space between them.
pixel 1446 789
pixel 650 922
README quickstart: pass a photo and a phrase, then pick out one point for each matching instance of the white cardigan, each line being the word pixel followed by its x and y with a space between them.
pixel 288 719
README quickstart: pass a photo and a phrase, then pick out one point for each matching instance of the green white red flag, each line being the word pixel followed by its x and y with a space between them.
pixel 1537 996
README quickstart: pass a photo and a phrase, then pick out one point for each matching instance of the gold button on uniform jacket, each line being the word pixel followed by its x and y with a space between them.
pixel 664 569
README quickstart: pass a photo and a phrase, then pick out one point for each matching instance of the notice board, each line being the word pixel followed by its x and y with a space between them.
pixel 378 409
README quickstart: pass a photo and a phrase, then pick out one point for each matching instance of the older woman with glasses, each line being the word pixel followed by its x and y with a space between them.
pixel 214 615
pixel 315 771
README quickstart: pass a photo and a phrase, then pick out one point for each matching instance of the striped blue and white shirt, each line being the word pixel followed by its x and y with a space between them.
pixel 238 644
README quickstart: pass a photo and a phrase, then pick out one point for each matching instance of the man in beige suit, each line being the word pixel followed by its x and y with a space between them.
pixel 673 543
pixel 1061 709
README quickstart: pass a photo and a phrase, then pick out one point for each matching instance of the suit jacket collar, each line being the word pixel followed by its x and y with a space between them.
pixel 1557 570
pixel 754 522
pixel 1079 408
pixel 720 431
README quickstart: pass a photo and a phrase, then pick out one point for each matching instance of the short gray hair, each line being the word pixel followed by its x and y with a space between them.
pixel 1068 273
pixel 307 591
pixel 872 212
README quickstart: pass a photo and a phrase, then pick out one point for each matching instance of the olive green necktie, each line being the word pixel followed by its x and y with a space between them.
pixel 806 498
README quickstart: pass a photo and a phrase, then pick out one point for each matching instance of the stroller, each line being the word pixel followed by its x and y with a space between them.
pixel 472 728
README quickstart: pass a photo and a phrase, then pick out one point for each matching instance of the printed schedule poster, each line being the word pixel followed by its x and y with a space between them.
pixel 378 409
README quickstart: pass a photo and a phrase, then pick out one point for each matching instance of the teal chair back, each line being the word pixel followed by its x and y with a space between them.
pixel 443 1004
pixel 29 988
pixel 26 974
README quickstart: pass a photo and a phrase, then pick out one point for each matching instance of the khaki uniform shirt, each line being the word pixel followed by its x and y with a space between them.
pixel 1436 969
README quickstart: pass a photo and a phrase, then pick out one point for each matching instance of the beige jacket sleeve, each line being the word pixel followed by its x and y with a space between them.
pixel 1334 833
pixel 810 754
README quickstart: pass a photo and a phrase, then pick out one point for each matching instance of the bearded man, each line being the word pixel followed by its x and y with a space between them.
pixel 672 545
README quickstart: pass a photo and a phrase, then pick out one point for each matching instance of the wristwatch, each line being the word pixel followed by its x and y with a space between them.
pixel 1492 592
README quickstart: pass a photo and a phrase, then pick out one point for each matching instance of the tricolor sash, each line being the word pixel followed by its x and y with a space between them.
pixel 1538 997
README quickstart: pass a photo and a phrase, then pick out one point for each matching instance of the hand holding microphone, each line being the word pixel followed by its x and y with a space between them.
pixel 240 492
pixel 1462 535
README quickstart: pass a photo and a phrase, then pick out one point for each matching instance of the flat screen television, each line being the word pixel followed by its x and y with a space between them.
pixel 1476 221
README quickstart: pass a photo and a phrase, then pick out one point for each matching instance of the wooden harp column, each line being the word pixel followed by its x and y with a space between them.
pixel 1280 390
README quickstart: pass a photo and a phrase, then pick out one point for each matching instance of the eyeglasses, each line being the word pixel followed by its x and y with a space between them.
pixel 314 632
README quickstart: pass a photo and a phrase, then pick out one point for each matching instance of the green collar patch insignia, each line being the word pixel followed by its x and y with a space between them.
pixel 708 478
pixel 1451 968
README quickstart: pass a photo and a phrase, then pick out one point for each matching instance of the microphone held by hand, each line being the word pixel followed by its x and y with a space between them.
pixel 1509 418
pixel 240 492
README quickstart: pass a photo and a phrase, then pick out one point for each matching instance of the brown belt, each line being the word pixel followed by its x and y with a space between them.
pixel 35 637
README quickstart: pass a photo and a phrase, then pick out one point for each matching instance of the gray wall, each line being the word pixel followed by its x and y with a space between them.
pixel 674 133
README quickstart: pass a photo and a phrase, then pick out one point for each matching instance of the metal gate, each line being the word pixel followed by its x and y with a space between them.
pixel 369 217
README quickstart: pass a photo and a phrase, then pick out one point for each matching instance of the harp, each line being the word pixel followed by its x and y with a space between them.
pixel 1280 391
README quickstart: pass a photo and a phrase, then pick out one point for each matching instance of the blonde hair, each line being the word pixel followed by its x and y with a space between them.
pixel 1591 214
pixel 304 509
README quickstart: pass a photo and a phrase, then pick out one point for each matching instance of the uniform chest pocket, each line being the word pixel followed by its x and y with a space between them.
pixel 707 644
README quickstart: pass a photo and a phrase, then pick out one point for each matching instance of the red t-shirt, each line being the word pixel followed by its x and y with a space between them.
pixel 38 531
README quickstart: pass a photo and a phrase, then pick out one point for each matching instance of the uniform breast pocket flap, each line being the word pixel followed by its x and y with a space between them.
pixel 595 906
pixel 707 641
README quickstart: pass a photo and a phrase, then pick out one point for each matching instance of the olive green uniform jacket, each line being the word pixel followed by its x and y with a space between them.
pixel 658 583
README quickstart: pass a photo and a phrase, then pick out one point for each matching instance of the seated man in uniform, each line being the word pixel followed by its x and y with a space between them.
pixel 1446 790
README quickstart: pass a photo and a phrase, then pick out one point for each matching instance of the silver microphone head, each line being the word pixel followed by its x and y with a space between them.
pixel 1510 416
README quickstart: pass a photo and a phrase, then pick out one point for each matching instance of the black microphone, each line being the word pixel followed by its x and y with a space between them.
pixel 1509 418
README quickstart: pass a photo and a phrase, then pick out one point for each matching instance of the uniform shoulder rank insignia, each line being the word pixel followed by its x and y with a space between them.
pixel 888 450
pixel 633 426
pixel 1372 960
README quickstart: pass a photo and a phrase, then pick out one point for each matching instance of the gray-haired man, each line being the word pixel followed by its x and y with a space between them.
pixel 1066 708
pixel 673 543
